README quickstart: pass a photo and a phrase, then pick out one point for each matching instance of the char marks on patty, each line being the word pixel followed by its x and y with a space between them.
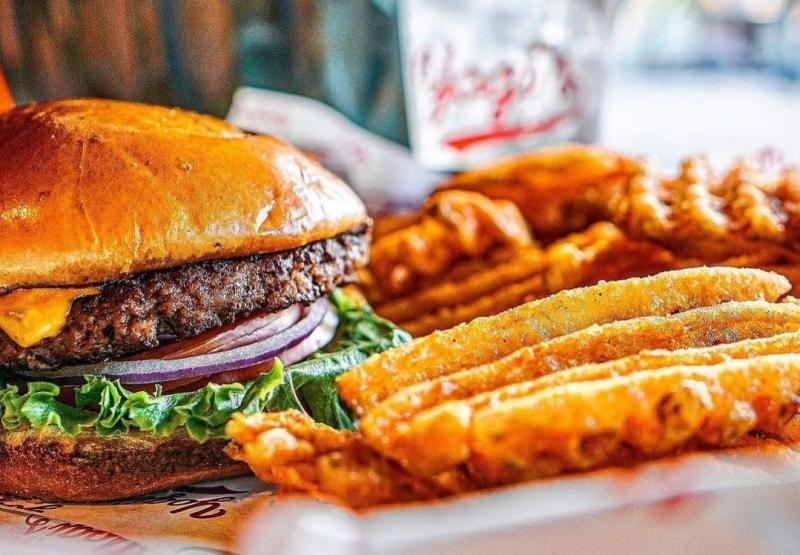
pixel 131 314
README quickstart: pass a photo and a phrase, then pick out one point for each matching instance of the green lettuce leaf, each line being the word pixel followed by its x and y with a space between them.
pixel 106 407
pixel 310 385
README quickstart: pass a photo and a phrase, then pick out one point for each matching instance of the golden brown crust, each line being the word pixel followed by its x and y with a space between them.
pixel 488 339
pixel 559 189
pixel 290 449
pixel 451 226
pixel 92 189
pixel 54 467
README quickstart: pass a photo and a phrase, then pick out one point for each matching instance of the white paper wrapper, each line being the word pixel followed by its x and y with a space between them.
pixel 203 518
pixel 381 172
pixel 737 501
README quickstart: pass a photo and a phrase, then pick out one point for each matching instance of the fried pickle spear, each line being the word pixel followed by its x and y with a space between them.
pixel 488 339
pixel 291 450
pixel 578 426
pixel 601 418
pixel 401 426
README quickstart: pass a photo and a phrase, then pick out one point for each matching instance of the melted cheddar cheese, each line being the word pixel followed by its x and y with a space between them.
pixel 29 315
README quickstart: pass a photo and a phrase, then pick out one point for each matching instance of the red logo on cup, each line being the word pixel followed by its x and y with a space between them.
pixel 501 102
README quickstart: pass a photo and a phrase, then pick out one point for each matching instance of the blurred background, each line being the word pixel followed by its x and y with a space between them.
pixel 681 73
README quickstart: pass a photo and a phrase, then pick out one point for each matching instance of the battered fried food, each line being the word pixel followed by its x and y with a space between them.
pixel 789 271
pixel 559 189
pixel 699 214
pixel 649 413
pixel 290 449
pixel 453 225
pixel 488 339
pixel 526 262
pixel 401 426
pixel 611 374
pixel 601 252
pixel 604 419
pixel 711 217
pixel 741 218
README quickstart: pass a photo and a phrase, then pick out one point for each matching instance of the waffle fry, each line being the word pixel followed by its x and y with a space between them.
pixel 699 214
pixel 400 425
pixel 708 217
pixel 488 339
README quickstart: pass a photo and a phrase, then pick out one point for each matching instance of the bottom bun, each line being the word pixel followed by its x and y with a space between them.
pixel 52 466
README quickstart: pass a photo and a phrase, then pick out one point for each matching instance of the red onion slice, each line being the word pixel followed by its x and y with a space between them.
pixel 310 345
pixel 150 371
pixel 238 334
pixel 314 342
pixel 246 334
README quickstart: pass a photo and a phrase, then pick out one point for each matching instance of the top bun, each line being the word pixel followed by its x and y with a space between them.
pixel 91 190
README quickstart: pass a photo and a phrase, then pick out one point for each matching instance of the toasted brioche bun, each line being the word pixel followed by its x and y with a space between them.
pixel 91 190
pixel 56 467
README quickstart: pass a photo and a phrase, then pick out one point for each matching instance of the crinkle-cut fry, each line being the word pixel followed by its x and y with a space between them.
pixel 291 450
pixel 487 339
pixel 569 262
pixel 454 224
pixel 506 297
pixel 613 260
pixel 527 262
pixel 603 252
pixel 378 296
pixel 469 266
pixel 389 223
pixel 579 426
pixel 401 424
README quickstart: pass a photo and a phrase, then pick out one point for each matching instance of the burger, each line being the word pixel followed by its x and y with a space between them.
pixel 159 271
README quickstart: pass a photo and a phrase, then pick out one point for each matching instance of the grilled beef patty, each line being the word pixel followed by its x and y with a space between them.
pixel 145 310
